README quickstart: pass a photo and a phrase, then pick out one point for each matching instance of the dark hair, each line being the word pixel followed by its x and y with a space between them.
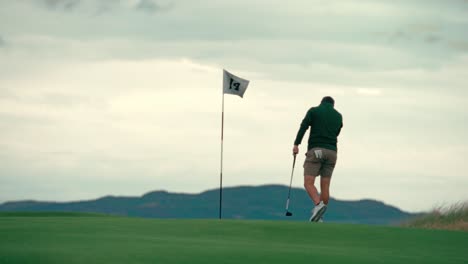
pixel 328 99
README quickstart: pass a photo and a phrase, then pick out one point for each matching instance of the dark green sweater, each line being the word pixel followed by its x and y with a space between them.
pixel 325 125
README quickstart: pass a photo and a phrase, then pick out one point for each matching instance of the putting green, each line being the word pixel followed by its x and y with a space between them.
pixel 74 238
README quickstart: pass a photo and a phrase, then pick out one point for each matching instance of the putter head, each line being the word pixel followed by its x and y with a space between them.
pixel 288 213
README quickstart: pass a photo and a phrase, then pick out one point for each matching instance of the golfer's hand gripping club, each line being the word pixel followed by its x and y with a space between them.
pixel 295 150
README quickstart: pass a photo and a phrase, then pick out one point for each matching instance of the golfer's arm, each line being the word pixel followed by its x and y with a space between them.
pixel 303 128
pixel 339 130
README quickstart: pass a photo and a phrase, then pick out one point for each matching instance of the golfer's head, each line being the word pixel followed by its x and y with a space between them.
pixel 328 99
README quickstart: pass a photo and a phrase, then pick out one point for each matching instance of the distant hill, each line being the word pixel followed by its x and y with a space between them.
pixel 258 202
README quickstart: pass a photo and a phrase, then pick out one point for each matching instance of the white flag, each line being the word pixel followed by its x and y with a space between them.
pixel 233 84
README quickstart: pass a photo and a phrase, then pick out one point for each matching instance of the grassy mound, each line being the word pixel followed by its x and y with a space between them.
pixel 91 239
pixel 454 217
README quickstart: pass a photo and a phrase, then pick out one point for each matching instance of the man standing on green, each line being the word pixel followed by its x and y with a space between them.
pixel 325 125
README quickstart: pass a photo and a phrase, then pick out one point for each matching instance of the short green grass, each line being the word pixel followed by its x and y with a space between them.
pixel 55 238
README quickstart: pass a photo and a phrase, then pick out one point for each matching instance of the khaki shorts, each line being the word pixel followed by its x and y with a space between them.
pixel 320 161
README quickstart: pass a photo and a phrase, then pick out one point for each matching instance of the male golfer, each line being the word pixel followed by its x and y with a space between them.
pixel 325 125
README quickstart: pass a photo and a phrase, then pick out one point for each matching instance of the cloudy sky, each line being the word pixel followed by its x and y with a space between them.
pixel 123 97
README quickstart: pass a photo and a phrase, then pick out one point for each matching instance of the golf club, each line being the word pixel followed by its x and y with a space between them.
pixel 289 192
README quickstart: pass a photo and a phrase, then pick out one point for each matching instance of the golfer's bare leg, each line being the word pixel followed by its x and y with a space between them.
pixel 309 182
pixel 325 189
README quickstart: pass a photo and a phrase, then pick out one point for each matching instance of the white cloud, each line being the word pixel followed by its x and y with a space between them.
pixel 143 119
pixel 124 101
pixel 369 92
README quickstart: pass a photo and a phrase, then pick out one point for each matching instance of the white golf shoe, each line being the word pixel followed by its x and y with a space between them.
pixel 318 212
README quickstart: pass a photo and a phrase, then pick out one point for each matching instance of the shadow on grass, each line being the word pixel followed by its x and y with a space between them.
pixel 50 214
